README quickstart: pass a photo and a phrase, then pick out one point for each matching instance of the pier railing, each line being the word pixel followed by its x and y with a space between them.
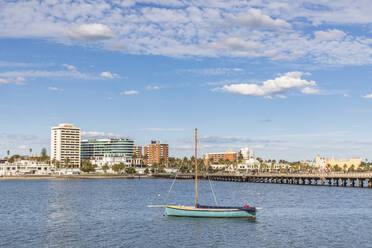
pixel 354 179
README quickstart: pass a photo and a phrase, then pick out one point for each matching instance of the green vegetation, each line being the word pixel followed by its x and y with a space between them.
pixel 87 166
pixel 118 167
pixel 130 170
pixel 105 168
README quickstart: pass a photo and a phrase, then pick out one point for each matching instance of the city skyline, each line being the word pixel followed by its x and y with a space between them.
pixel 289 80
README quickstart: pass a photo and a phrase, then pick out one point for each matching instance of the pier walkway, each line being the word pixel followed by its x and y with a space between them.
pixel 362 180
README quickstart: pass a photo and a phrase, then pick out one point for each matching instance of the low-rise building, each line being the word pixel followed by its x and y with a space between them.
pixel 211 158
pixel 343 164
pixel 112 160
pixel 25 167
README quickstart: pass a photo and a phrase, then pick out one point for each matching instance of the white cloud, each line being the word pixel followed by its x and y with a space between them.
pixel 98 134
pixel 45 74
pixel 16 80
pixel 107 74
pixel 14 64
pixel 237 44
pixel 248 29
pixel 215 71
pixel 281 96
pixel 54 89
pixel 91 32
pixel 69 67
pixel 255 19
pixel 277 86
pixel 3 81
pixel 310 91
pixel 368 96
pixel 331 34
pixel 152 87
pixel 129 92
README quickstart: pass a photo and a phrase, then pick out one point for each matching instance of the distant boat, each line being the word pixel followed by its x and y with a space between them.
pixel 209 211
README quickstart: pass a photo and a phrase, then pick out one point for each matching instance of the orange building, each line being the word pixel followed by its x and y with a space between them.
pixel 156 153
pixel 216 157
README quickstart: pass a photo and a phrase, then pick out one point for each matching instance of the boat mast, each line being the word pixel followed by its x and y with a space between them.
pixel 196 167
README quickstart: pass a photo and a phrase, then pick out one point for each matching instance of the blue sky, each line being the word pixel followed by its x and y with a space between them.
pixel 290 80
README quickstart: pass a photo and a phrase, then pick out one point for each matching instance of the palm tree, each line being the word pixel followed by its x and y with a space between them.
pixel 105 167
pixel 30 152
pixel 8 152
pixel 58 164
pixel 67 161
pixel 134 157
pixel 54 161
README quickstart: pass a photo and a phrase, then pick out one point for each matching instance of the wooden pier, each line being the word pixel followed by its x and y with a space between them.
pixel 361 180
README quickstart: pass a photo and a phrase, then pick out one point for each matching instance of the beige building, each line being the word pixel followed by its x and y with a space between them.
pixel 65 144
pixel 344 164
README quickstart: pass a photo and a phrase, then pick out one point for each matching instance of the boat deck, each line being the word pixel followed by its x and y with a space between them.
pixel 192 208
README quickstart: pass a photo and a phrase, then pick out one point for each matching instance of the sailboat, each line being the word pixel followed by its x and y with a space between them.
pixel 203 211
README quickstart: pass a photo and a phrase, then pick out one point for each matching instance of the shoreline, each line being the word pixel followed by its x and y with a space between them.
pixel 67 177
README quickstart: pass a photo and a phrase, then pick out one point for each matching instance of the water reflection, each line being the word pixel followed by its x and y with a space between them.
pixel 114 213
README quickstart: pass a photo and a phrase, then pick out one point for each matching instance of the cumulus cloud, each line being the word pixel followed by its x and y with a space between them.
pixel 91 32
pixel 69 67
pixel 109 75
pixel 152 87
pixel 254 18
pixel 331 34
pixel 277 86
pixel 310 91
pixel 368 96
pixel 129 92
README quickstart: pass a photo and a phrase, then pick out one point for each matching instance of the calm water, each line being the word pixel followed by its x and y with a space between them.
pixel 114 213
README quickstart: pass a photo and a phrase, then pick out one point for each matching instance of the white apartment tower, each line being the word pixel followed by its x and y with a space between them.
pixel 65 144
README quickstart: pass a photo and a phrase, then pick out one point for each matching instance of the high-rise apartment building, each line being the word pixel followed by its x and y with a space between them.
pixel 65 144
pixel 156 153
pixel 98 148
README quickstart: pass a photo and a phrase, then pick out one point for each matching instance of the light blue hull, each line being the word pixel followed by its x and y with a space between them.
pixel 205 213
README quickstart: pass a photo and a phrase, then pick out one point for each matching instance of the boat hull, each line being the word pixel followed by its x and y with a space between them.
pixel 180 211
